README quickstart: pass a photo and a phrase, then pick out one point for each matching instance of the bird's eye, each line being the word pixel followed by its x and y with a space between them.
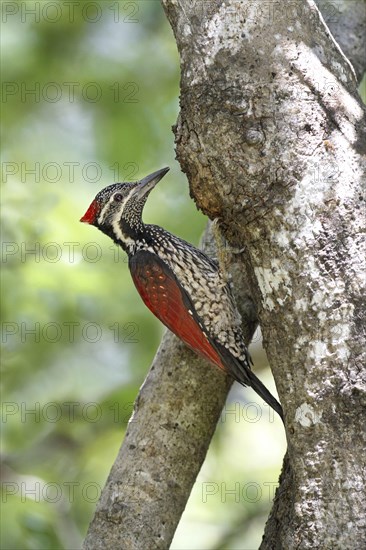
pixel 118 197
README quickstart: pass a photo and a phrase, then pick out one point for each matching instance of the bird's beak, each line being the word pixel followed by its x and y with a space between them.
pixel 148 183
pixel 91 214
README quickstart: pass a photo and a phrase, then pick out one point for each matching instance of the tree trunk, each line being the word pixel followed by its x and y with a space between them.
pixel 271 135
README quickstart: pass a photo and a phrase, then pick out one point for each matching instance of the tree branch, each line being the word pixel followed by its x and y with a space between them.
pixel 346 20
pixel 175 416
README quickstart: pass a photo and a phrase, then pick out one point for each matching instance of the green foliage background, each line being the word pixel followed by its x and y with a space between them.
pixel 105 81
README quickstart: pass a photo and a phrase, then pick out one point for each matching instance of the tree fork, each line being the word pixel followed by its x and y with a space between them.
pixel 271 135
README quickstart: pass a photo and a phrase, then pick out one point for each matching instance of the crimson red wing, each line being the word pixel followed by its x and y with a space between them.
pixel 169 302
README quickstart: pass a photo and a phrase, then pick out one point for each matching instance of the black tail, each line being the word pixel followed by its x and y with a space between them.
pixel 262 391
pixel 241 372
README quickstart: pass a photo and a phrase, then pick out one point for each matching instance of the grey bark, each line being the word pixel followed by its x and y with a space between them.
pixel 346 20
pixel 271 135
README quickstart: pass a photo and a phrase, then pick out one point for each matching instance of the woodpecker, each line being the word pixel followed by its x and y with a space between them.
pixel 182 286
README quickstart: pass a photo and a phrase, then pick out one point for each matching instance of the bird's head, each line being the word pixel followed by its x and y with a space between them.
pixel 117 209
